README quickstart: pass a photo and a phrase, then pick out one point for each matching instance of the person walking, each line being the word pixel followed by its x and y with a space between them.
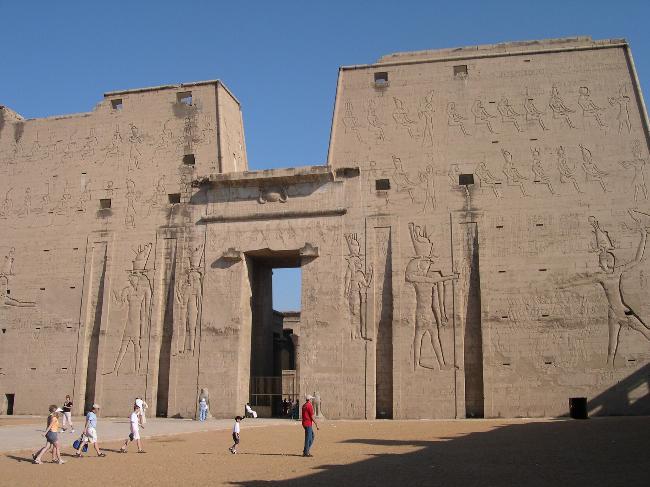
pixel 308 421
pixel 90 432
pixel 67 414
pixel 203 409
pixel 235 435
pixel 135 420
pixel 52 437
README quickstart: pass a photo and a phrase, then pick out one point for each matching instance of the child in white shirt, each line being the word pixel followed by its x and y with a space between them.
pixel 235 435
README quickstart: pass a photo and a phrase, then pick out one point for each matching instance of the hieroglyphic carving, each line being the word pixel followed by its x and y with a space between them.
pixel 136 297
pixel 350 121
pixel 189 296
pixel 619 314
pixel 623 102
pixel 533 114
pixel 482 116
pixel 428 183
pixel 591 169
pixel 356 287
pixel 402 180
pixel 131 196
pixel 559 108
pixel 6 273
pixel 509 114
pixel 513 176
pixel 455 119
pixel 114 148
pixel 273 195
pixel 589 108
pixel 566 169
pixel 402 119
pixel 426 112
pixel 135 151
pixel 638 164
pixel 538 170
pixel 374 121
pixel 487 178
pixel 430 312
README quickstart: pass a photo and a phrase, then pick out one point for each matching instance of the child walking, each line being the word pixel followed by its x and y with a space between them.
pixel 235 435
pixel 136 424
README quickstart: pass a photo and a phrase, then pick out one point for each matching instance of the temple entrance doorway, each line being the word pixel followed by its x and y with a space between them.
pixel 275 278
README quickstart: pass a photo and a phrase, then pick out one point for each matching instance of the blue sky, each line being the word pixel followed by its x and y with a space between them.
pixel 280 58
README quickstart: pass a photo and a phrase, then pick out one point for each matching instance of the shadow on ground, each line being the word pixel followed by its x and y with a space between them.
pixel 598 452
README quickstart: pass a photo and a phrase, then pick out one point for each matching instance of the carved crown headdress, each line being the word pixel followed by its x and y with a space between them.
pixel 353 244
pixel 141 257
pixel 421 242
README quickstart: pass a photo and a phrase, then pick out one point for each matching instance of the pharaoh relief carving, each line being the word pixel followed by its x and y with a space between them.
pixel 592 171
pixel 189 297
pixel 482 116
pixel 533 114
pixel 423 273
pixel 136 299
pixel 6 274
pixel 538 171
pixel 350 121
pixel 559 108
pixel 623 115
pixel 486 178
pixel 589 107
pixel 357 283
pixel 509 114
pixel 402 118
pixel 425 113
pixel 637 163
pixel 375 123
pixel 608 277
pixel 567 169
pixel 514 177
pixel 455 119
pixel 272 195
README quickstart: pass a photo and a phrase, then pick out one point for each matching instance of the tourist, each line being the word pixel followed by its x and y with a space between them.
pixel 249 412
pixel 136 424
pixel 67 414
pixel 295 410
pixel 307 421
pixel 90 432
pixel 203 409
pixel 142 406
pixel 51 435
pixel 235 435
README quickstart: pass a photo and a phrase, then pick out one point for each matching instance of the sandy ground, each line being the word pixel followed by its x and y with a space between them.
pixel 606 452
pixel 20 421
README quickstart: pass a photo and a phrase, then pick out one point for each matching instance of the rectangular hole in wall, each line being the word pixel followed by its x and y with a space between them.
pixel 46 250
pixel 533 139
pixel 502 272
pixel 174 198
pixel 32 368
pixel 542 270
pixel 545 315
pixel 460 71
pixel 381 79
pixel 526 60
pixel 189 159
pixel 631 360
pixel 4 330
pixel 105 203
pixel 42 289
pixel 465 179
pixel 64 368
pixel 69 327
pixel 75 248
pixel 506 363
pixel 495 141
pixel 72 287
pixel 505 317
pixel 539 224
pixel 184 97
pixel 382 184
pixel 8 291
pixel 499 226
pixel 548 362
pixel 117 104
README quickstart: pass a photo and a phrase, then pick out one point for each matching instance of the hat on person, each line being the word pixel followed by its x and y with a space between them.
pixel 309 396
pixel 95 406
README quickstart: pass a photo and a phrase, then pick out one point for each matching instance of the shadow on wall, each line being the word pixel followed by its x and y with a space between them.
pixel 601 452
pixel 631 396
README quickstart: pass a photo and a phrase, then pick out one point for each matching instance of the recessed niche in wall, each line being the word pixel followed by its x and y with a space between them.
pixel 189 159
pixel 105 203
pixel 381 79
pixel 174 198
pixel 184 97
pixel 117 104
pixel 465 179
pixel 382 184
pixel 460 71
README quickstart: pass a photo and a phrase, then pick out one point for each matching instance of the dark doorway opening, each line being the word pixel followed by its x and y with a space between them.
pixel 273 333
pixel 10 404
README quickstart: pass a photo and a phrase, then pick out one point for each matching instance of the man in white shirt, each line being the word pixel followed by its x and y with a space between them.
pixel 135 423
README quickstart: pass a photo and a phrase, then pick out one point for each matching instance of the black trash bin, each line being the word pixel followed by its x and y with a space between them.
pixel 578 407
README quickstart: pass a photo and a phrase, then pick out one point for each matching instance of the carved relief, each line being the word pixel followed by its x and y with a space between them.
pixel 589 108
pixel 533 114
pixel 559 108
pixel 404 184
pixel 350 121
pixel 623 102
pixel 638 164
pixel 514 177
pixel 590 168
pixel 357 283
pixel 455 119
pixel 426 112
pixel 427 181
pixel 430 312
pixel 402 119
pixel 566 169
pixel 482 116
pixel 136 298
pixel 6 273
pixel 272 195
pixel 189 296
pixel 135 151
pixel 538 171
pixel 509 114
pixel 374 121
pixel 619 314
pixel 486 178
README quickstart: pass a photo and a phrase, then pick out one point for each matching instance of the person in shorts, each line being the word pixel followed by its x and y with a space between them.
pixel 67 414
pixel 90 432
pixel 235 435
pixel 136 424
pixel 52 437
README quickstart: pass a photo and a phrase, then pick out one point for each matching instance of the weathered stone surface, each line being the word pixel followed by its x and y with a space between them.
pixel 475 245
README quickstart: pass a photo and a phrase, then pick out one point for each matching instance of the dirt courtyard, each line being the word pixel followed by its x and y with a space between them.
pixel 604 452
